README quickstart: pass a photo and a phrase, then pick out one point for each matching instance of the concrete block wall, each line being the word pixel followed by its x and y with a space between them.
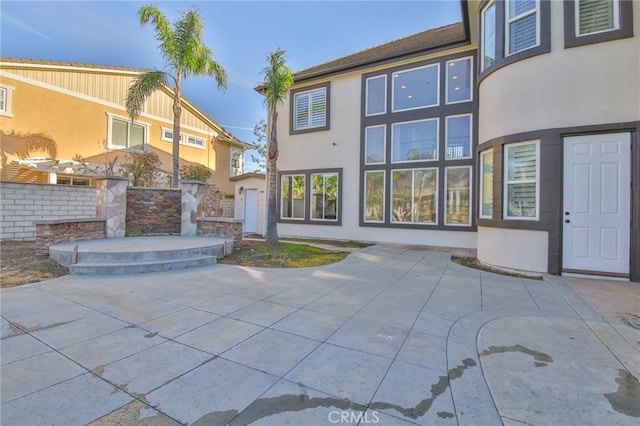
pixel 22 203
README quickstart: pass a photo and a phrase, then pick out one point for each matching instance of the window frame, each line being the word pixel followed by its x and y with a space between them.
pixel 481 184
pixel 366 98
pixel 338 206
pixel 384 196
pixel 507 182
pixel 446 189
pixel 129 122
pixel 184 138
pixel 446 85
pixel 405 70
pixel 292 108
pixel 482 49
pixel 508 21
pixel 437 155
pixel 281 198
pixel 571 25
pixel 306 219
pixel 413 179
pixel 446 136
pixel 616 19
pixel 240 160
pixel 384 144
pixel 7 108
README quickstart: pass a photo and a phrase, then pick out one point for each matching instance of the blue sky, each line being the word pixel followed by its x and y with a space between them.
pixel 241 33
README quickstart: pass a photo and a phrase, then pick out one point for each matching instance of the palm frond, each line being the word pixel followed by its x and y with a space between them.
pixel 189 40
pixel 141 88
pixel 278 79
pixel 165 34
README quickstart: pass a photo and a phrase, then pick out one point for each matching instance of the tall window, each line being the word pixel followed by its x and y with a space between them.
pixel 595 16
pixel 310 109
pixel 6 95
pixel 324 196
pixel 458 202
pixel 236 161
pixel 415 196
pixel 486 184
pixel 414 141
pixel 522 25
pixel 125 134
pixel 374 144
pixel 521 180
pixel 3 99
pixel 374 196
pixel 416 88
pixel 292 191
pixel 459 80
pixel 488 54
pixel 376 96
pixel 458 135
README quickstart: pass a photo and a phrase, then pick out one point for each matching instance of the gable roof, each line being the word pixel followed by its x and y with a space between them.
pixel 414 44
pixel 16 63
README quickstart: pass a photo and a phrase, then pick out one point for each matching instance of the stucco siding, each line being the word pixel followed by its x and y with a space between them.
pixel 506 248
pixel 592 84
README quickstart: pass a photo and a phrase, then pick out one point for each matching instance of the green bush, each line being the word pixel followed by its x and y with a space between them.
pixel 195 172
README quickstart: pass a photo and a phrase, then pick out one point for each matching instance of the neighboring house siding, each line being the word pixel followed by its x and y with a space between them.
pixel 22 203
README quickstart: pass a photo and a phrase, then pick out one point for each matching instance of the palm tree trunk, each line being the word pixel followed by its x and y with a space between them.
pixel 177 112
pixel 272 157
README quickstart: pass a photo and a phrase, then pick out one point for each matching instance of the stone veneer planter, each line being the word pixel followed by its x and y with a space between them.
pixel 220 227
pixel 54 231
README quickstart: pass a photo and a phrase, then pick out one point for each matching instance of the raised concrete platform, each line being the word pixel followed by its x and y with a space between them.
pixel 139 254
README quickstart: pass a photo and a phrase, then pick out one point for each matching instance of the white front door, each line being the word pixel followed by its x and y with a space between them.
pixel 597 204
pixel 251 210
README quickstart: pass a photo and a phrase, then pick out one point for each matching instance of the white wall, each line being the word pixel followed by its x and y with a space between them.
pixel 251 183
pixel 22 203
pixel 586 85
pixel 513 248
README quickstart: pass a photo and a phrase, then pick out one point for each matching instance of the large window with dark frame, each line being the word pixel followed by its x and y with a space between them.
pixel 597 21
pixel 417 158
pixel 310 196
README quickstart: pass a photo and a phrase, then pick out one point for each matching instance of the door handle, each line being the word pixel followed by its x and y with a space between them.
pixel 567 221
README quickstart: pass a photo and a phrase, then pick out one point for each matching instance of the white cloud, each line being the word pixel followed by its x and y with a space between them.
pixel 11 20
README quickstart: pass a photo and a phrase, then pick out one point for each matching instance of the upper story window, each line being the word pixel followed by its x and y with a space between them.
pixel 376 96
pixel 6 97
pixel 596 21
pixel 458 136
pixel 310 109
pixel 236 161
pixel 521 26
pixel 375 144
pixel 513 30
pixel 124 134
pixel 414 141
pixel 185 139
pixel 521 189
pixel 459 81
pixel 416 88
pixel 595 16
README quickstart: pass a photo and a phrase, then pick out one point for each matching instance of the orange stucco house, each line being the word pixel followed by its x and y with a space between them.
pixel 64 123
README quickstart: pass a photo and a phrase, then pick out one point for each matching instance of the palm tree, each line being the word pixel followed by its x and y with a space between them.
pixel 184 54
pixel 278 78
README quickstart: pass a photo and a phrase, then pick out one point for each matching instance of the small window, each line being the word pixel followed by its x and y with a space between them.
pixel 416 88
pixel 415 196
pixel 376 97
pixel 488 36
pixel 374 143
pixel 167 135
pixel 521 181
pixel 194 141
pixel 310 111
pixel 458 202
pixel 486 184
pixel 415 141
pixel 123 134
pixel 292 190
pixel 459 80
pixel 6 100
pixel 522 25
pixel 374 196
pixel 458 135
pixel 596 16
pixel 236 161
pixel 324 196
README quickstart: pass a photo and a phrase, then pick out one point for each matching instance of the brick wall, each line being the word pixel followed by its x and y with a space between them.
pixel 22 203
pixel 228 207
pixel 54 232
pixel 215 203
pixel 153 211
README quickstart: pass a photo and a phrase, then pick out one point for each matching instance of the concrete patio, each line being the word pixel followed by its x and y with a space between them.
pixel 393 335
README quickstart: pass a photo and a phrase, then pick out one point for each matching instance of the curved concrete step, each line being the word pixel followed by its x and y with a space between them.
pixel 140 266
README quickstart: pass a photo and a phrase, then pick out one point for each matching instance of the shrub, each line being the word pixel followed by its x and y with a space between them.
pixel 195 172
pixel 141 167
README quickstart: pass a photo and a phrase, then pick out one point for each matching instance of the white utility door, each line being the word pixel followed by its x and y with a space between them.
pixel 597 203
pixel 251 210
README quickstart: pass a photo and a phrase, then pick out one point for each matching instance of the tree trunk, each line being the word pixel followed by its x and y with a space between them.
pixel 177 112
pixel 272 157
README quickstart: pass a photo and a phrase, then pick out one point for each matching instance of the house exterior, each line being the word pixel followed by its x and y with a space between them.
pixel 65 123
pixel 514 132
